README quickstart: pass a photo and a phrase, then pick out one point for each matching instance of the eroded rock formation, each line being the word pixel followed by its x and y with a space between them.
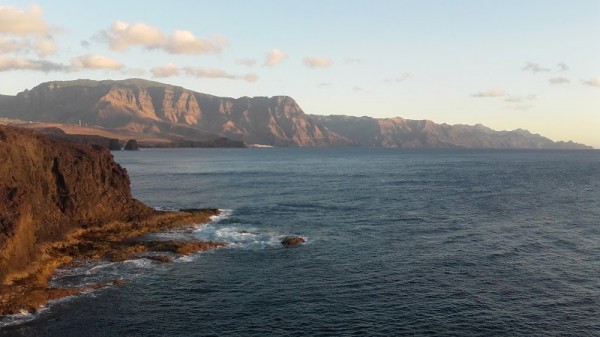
pixel 48 188
pixel 61 201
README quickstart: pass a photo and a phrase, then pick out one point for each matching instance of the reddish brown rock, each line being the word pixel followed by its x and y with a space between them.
pixel 292 240
pixel 181 247
pixel 49 188
pixel 62 202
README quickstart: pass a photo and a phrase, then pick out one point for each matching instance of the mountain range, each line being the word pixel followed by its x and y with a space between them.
pixel 137 108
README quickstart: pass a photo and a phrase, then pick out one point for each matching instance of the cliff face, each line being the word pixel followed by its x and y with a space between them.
pixel 400 132
pixel 277 121
pixel 140 106
pixel 49 188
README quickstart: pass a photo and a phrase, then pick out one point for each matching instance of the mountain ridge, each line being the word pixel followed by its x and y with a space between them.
pixel 143 107
pixel 400 132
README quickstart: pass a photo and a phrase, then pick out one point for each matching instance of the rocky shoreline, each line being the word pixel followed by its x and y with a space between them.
pixel 63 203
pixel 115 241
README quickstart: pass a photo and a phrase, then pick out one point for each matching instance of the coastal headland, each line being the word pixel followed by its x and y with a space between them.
pixel 63 203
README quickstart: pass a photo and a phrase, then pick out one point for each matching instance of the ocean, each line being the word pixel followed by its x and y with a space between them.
pixel 398 242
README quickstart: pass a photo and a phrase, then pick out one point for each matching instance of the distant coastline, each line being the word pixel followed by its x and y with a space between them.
pixel 161 115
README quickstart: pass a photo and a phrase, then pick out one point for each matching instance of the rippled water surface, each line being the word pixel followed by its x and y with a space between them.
pixel 399 242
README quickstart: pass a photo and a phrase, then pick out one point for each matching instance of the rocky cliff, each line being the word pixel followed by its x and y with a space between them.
pixel 49 188
pixel 61 202
pixel 141 107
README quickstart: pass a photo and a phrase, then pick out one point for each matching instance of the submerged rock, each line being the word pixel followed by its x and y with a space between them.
pixel 292 240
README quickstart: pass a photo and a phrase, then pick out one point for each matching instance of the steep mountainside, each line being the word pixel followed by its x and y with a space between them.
pixel 147 107
pixel 152 109
pixel 399 132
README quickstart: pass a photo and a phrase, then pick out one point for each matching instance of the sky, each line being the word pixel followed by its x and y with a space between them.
pixel 530 64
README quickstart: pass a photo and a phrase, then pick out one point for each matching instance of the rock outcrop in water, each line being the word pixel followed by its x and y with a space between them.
pixel 131 145
pixel 292 240
pixel 61 201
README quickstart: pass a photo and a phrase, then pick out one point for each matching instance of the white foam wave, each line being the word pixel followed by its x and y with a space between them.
pixel 239 236
pixel 223 214
pixel 97 272
pixel 183 234
pixel 16 319
pixel 184 258
pixel 166 208
pixel 140 263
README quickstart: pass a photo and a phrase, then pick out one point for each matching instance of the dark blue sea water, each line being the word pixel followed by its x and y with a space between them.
pixel 399 242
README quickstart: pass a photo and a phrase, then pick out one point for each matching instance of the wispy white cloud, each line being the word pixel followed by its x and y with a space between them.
pixel 24 31
pixel 91 61
pixel 317 62
pixel 12 45
pixel 594 82
pixel 168 70
pixel 248 62
pixel 559 80
pixel 184 42
pixel 534 67
pixel 275 57
pixel 8 63
pixel 489 93
pixel 207 73
pixel 42 45
pixel 122 36
pixel 23 22
pixel 80 63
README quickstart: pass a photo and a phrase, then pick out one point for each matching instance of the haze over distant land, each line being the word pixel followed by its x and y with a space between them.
pixel 152 110
pixel 508 65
